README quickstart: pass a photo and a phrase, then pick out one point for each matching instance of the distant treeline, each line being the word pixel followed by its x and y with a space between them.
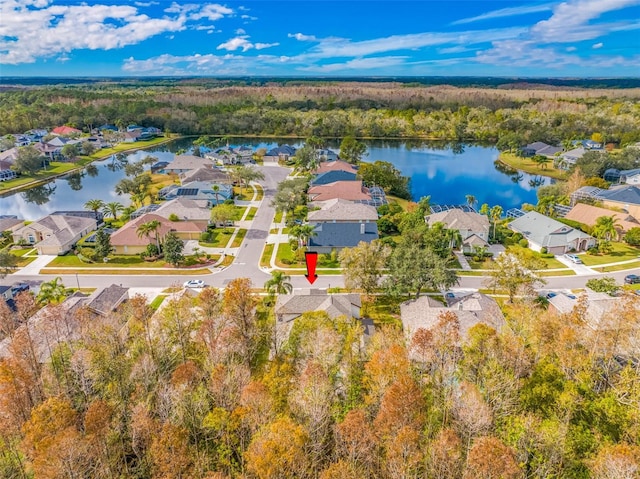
pixel 331 109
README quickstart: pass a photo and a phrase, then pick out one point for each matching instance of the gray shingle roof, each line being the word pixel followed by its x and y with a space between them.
pixel 332 176
pixel 623 194
pixel 107 299
pixel 460 220
pixel 189 162
pixel 342 235
pixel 288 305
pixel 545 231
pixel 343 210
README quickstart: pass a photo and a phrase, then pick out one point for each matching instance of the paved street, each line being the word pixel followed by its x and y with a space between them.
pixel 247 261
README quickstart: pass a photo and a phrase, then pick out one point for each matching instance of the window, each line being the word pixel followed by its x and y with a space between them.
pixel 362 225
pixel 31 238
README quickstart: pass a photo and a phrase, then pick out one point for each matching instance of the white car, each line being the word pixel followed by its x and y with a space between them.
pixel 573 258
pixel 194 283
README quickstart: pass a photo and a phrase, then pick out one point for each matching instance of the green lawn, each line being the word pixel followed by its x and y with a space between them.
pixel 122 147
pixel 259 193
pixel 251 214
pixel 621 252
pixel 284 252
pixel 550 263
pixel 401 201
pixel 383 310
pixel 132 272
pixel 527 165
pixel 265 259
pixel 22 252
pixel 220 236
pixel 618 267
pixel 157 301
pixel 55 168
pixel 278 217
pixel 563 272
pixel 237 241
pixel 239 212
pixel 124 261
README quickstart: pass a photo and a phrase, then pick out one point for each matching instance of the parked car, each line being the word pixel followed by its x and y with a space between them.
pixel 551 294
pixel 194 283
pixel 573 258
pixel 632 279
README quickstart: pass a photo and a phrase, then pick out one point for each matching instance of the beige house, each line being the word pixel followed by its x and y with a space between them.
pixel 473 227
pixel 185 209
pixel 127 240
pixel 292 306
pixel 185 163
pixel 470 309
pixel 588 215
pixel 55 234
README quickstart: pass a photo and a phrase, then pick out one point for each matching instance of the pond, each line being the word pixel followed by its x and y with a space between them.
pixel 445 172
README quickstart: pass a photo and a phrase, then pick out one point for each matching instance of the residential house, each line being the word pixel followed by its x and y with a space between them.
pixel 185 163
pixel 289 307
pixel 569 158
pixel 107 127
pixel 43 338
pixel 630 177
pixel 347 190
pixel 342 224
pixel 588 144
pixel 280 153
pixel 8 158
pixel 473 227
pixel 199 190
pixel 324 154
pixel 159 166
pixel 601 313
pixel 540 148
pixel 624 197
pixel 589 214
pixel 335 165
pixel 213 175
pixel 544 232
pixel 470 310
pixel 132 136
pixel 106 300
pixel 10 223
pixel 127 240
pixel 65 130
pixel 332 176
pixel 54 234
pixel 197 211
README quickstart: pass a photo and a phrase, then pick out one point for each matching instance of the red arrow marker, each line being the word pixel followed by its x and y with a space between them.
pixel 311 258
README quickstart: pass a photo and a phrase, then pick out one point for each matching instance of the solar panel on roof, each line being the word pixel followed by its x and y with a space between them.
pixel 187 192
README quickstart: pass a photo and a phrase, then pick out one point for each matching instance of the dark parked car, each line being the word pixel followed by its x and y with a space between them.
pixel 632 279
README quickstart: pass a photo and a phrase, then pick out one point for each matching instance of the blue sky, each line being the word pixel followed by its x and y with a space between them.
pixel 574 38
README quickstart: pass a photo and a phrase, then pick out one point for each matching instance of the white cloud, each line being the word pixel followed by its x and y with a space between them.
pixel 571 49
pixel 145 4
pixel 597 46
pixel 302 37
pixel 36 29
pixel 248 17
pixel 357 64
pixel 242 42
pixel 240 31
pixel 506 12
pixel 211 12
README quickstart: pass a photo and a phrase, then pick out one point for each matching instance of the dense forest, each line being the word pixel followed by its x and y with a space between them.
pixel 332 109
pixel 203 389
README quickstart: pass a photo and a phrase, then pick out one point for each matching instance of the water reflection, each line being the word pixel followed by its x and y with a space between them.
pixel 39 195
pixel 75 181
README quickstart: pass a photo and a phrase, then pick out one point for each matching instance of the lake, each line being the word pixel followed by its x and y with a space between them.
pixel 445 172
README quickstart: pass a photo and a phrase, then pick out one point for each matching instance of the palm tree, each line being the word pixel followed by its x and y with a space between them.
pixel 279 283
pixel 605 228
pixel 112 209
pixel 216 191
pixel 52 292
pixel 471 201
pixel 453 236
pixel 94 205
pixel 302 233
pixel 146 229
pixel 496 214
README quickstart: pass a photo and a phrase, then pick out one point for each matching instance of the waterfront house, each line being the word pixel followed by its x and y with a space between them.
pixel 540 148
pixel 473 227
pixel 10 223
pixel 544 232
pixel 569 158
pixel 332 176
pixel 8 158
pixel 469 309
pixel 127 241
pixel 630 177
pixel 324 154
pixel 185 163
pixel 335 165
pixel 54 234
pixel 342 224
pixel 213 175
pixel 289 307
pixel 280 153
pixel 346 190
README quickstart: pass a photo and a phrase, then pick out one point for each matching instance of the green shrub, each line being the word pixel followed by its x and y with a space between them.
pixel 173 217
pixel 544 250
pixel 593 250
pixel 524 243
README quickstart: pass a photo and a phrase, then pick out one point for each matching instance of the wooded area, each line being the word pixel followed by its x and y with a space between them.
pixel 193 391
pixel 324 109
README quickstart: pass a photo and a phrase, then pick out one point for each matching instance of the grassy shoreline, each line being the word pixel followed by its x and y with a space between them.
pixel 526 165
pixel 42 177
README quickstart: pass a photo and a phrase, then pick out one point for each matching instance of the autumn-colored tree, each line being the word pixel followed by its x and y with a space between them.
pixel 171 456
pixel 363 265
pixel 277 451
pixel 97 427
pixel 258 405
pixel 444 456
pixel 618 461
pixel 403 455
pixel 490 458
pixel 239 309
pixel 343 470
pixel 472 413
pixel 402 405
pixel 357 442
